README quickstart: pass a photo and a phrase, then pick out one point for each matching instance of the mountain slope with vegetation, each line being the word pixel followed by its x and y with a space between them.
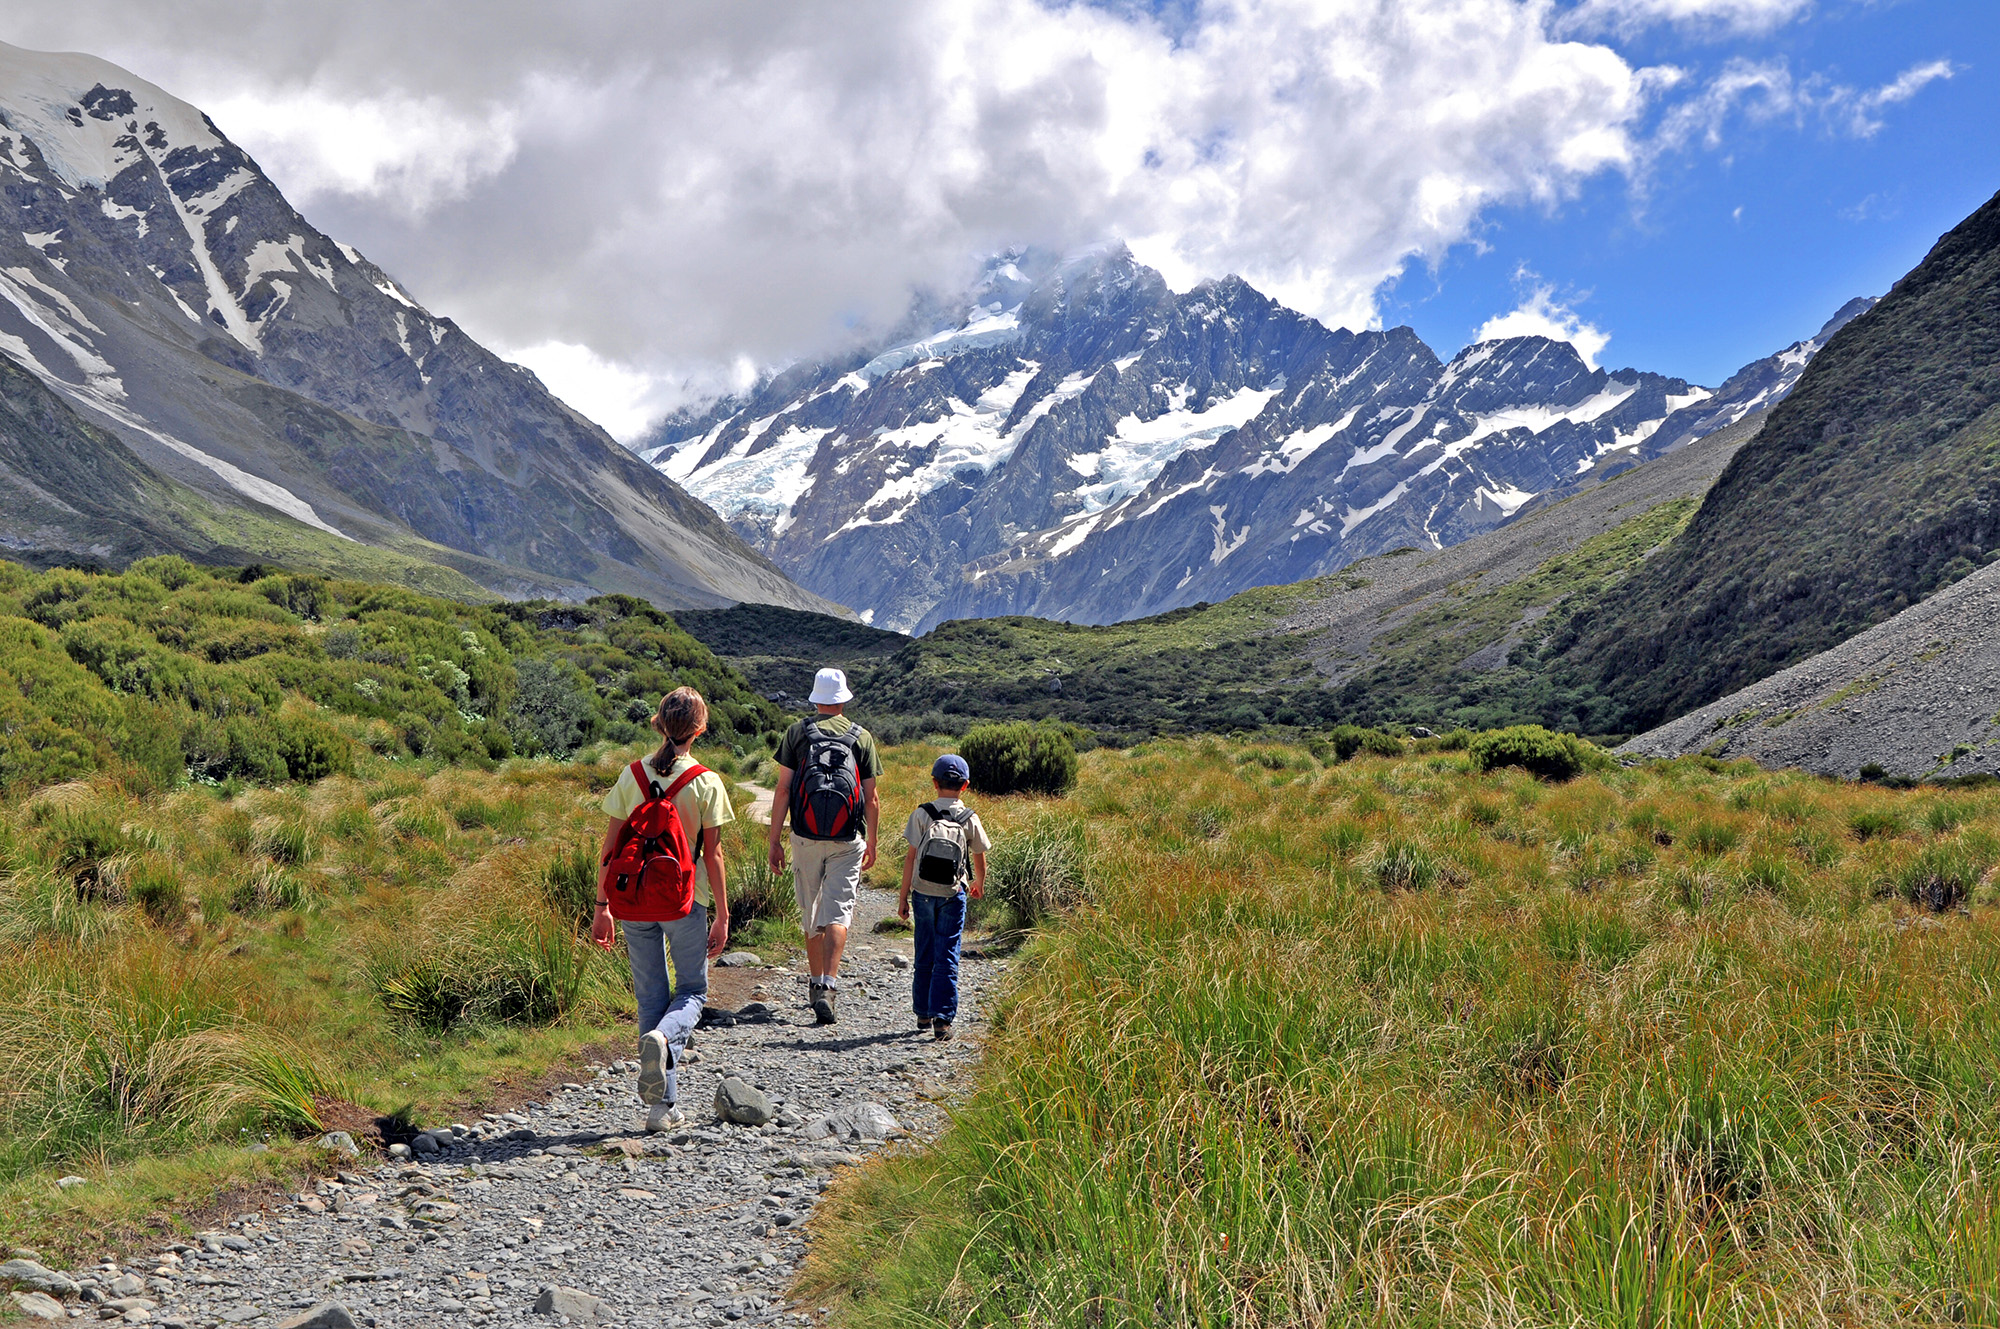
pixel 169 670
pixel 1420 637
pixel 1875 484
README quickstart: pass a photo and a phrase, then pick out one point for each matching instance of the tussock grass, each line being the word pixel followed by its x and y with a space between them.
pixel 1408 1045
pixel 184 973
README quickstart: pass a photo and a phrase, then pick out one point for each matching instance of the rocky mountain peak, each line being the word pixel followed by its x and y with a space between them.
pixel 154 276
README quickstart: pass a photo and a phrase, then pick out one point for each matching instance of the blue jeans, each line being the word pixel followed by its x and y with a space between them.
pixel 940 923
pixel 672 1010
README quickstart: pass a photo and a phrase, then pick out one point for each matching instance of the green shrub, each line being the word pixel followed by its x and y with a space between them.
pixel 1348 739
pixel 552 712
pixel 311 748
pixel 1539 751
pixel 756 892
pixel 1020 757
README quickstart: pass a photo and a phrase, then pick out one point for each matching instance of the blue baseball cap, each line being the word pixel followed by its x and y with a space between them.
pixel 951 769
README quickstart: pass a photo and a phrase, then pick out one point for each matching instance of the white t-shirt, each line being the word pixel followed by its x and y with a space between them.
pixel 919 826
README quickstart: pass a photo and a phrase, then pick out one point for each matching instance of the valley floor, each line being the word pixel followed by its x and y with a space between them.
pixel 697 1226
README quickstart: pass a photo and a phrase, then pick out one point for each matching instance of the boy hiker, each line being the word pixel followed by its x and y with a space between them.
pixel 946 858
pixel 660 875
pixel 827 768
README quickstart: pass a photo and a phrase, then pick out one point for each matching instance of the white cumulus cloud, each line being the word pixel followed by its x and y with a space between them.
pixel 678 188
pixel 1541 314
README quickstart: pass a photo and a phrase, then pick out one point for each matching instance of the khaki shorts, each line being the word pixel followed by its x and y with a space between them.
pixel 826 876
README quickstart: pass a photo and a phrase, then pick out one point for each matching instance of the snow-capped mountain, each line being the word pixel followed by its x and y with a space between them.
pixel 1757 386
pixel 1081 443
pixel 153 276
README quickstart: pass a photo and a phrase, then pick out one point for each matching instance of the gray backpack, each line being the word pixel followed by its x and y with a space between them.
pixel 943 856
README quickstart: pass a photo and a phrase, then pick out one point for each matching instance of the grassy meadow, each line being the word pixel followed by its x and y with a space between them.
pixel 1395 1042
pixel 187 975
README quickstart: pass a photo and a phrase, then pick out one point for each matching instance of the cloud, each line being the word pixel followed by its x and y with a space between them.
pixel 1765 91
pixel 1542 315
pixel 677 185
pixel 1709 18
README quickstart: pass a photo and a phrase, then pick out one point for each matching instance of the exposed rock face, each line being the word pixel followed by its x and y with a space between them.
pixel 1084 444
pixel 154 276
pixel 1913 695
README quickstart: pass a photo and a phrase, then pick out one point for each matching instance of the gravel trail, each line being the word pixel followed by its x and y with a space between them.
pixel 568 1205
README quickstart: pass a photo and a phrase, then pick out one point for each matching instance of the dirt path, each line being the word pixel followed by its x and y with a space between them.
pixel 702 1225
pixel 760 802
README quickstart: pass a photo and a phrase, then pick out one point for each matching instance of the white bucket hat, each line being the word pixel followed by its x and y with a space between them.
pixel 830 688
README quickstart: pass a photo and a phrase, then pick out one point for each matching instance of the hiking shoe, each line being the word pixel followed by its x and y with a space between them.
pixel 655 1060
pixel 941 1031
pixel 822 1005
pixel 923 1024
pixel 664 1117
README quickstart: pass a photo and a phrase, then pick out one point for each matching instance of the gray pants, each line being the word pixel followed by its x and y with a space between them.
pixel 672 1010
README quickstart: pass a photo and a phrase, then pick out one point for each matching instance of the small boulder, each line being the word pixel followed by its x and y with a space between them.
pixel 31 1274
pixel 326 1315
pixel 127 1285
pixel 755 1013
pixel 581 1307
pixel 744 1104
pixel 67 1182
pixel 340 1142
pixel 425 1146
pixel 39 1306
pixel 741 960
pixel 863 1121
pixel 898 961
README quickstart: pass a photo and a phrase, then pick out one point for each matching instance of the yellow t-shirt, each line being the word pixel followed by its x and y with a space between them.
pixel 703 804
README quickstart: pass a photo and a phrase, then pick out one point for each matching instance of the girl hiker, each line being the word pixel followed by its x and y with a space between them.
pixel 647 876
pixel 946 858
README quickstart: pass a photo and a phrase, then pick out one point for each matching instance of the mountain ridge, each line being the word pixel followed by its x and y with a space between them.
pixel 1081 443
pixel 152 275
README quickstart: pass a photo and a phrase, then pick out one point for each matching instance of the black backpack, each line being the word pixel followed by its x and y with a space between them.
pixel 941 858
pixel 826 788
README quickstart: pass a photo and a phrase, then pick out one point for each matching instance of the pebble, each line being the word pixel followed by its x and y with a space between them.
pixel 703 1226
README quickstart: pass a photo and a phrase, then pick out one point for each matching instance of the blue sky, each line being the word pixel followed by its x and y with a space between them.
pixel 1720 255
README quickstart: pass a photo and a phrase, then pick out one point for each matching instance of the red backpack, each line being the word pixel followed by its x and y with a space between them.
pixel 652 869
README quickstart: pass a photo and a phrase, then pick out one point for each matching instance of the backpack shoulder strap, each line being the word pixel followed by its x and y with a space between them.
pixel 685 778
pixel 647 789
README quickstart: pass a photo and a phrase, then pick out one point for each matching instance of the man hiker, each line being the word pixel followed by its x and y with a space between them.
pixel 827 768
pixel 660 875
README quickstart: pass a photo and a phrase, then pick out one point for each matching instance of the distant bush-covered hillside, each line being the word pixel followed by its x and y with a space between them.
pixel 1215 667
pixel 1874 484
pixel 170 670
pixel 780 649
